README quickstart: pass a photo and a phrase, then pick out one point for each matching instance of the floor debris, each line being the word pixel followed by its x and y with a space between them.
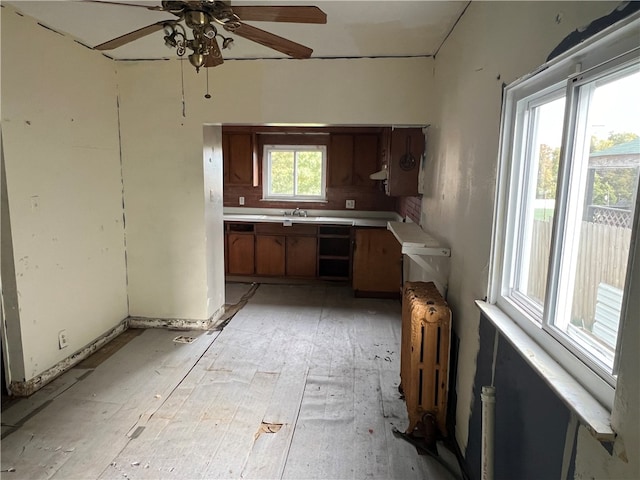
pixel 184 339
pixel 268 428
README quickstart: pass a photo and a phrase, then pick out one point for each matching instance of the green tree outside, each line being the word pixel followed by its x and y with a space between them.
pixel 296 173
pixel 611 186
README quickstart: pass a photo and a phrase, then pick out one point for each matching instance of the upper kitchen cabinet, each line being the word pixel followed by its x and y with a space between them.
pixel 240 157
pixel 402 155
pixel 366 155
pixel 352 157
pixel 340 159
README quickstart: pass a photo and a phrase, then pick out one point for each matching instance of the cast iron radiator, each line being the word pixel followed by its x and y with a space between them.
pixel 424 355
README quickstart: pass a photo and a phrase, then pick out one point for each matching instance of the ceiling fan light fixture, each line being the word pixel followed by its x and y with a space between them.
pixel 209 31
pixel 168 29
pixel 227 43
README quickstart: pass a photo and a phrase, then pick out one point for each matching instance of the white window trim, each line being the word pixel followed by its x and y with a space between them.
pixel 603 47
pixel 266 174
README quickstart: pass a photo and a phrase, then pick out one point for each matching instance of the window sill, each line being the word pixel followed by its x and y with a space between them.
pixel 591 413
pixel 294 200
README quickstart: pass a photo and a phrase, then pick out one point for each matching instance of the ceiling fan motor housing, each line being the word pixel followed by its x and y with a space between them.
pixel 196 18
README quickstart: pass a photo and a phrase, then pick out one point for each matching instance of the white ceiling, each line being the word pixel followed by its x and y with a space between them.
pixel 354 28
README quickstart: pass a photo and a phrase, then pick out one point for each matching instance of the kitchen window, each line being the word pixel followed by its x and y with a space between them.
pixel 567 207
pixel 294 172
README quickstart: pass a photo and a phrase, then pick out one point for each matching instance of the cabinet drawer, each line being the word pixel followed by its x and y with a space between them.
pixel 239 227
pixel 280 229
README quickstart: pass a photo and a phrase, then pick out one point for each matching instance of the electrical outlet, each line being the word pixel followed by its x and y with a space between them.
pixel 241 200
pixel 350 204
pixel 35 203
pixel 62 339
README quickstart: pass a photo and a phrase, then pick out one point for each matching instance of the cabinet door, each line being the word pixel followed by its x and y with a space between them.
pixel 407 148
pixel 237 150
pixel 302 256
pixel 377 262
pixel 340 159
pixel 270 255
pixel 365 159
pixel 240 254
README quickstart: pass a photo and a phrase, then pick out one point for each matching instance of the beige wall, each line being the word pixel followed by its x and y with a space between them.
pixel 162 149
pixel 496 42
pixel 214 230
pixel 60 134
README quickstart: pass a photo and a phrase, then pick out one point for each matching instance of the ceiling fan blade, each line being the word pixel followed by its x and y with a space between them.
pixel 275 42
pixel 215 55
pixel 131 36
pixel 296 14
pixel 155 7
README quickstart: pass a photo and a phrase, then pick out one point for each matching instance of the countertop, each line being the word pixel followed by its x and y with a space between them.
pixel 356 218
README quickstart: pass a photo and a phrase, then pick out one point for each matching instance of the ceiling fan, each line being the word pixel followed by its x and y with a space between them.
pixel 202 16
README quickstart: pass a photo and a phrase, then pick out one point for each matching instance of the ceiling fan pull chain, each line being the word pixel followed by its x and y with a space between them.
pixel 207 96
pixel 184 111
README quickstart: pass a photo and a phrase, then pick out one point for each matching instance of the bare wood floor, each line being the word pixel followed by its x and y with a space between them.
pixel 302 383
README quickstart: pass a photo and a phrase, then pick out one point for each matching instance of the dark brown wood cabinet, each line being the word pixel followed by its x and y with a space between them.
pixel 270 255
pixel 403 152
pixel 239 158
pixel 301 256
pixel 352 158
pixel 240 253
pixel 377 263
pixel 366 158
pixel 340 159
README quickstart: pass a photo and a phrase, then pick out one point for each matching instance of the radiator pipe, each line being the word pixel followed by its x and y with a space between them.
pixel 488 398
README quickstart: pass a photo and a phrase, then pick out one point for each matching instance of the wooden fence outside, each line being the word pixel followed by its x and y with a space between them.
pixel 602 258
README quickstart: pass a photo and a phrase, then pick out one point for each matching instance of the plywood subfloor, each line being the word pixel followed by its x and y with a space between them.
pixel 302 383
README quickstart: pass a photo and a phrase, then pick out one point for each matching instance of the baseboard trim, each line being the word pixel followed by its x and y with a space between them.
pixel 29 387
pixel 176 323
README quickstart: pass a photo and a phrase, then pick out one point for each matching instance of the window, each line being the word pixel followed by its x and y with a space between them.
pixel 566 208
pixel 294 172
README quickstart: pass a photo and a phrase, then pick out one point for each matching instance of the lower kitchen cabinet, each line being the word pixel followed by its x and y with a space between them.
pixel 322 252
pixel 270 255
pixel 377 263
pixel 301 256
pixel 240 254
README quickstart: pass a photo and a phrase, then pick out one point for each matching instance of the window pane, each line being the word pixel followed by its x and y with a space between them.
pixel 606 165
pixel 309 173
pixel 282 172
pixel 543 154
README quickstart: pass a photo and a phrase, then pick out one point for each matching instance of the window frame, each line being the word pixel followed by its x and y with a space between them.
pixel 266 172
pixel 609 50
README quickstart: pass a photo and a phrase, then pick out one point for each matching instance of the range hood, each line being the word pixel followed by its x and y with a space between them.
pixel 380 175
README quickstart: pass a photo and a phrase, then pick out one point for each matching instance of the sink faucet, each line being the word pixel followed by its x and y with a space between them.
pixel 298 213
